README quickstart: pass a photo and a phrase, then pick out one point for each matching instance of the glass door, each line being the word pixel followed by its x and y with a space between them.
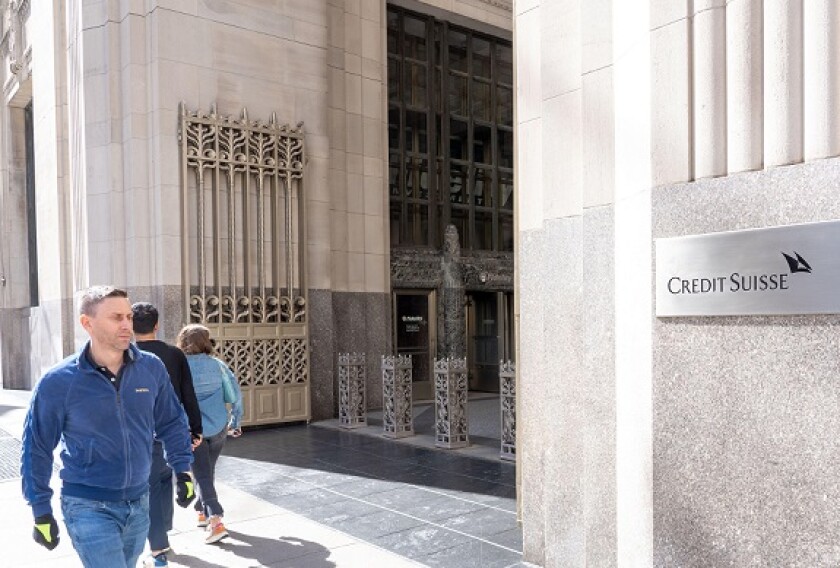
pixel 415 336
pixel 483 336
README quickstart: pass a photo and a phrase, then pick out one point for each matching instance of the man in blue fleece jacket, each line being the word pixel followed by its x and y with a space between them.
pixel 104 405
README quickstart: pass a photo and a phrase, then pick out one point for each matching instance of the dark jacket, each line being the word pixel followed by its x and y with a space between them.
pixel 106 434
pixel 181 377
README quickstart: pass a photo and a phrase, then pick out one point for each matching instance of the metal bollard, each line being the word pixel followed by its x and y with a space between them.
pixel 398 410
pixel 451 423
pixel 352 412
pixel 507 400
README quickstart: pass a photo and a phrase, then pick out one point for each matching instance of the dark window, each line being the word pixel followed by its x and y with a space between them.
pixel 450 100
pixel 32 229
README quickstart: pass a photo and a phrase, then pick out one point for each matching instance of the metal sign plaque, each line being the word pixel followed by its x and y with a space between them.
pixel 787 270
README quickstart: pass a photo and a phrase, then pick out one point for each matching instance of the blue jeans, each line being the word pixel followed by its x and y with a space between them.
pixel 161 497
pixel 107 534
pixel 204 471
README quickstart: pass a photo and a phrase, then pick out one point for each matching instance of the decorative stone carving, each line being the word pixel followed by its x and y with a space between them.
pixel 451 423
pixel 352 411
pixel 507 401
pixel 398 412
pixel 454 326
pixel 14 42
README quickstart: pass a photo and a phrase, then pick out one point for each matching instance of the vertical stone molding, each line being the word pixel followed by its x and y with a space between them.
pixel 744 86
pixel 451 424
pixel 507 400
pixel 398 410
pixel 783 83
pixel 351 390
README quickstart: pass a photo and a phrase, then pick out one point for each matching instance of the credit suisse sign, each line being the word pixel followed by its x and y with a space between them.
pixel 794 269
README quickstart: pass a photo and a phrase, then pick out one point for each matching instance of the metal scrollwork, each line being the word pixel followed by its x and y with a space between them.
pixel 507 400
pixel 243 251
pixel 352 411
pixel 398 411
pixel 451 424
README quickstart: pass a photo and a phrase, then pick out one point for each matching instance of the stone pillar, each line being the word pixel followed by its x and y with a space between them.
pixel 351 390
pixel 507 400
pixel 451 424
pixel 398 411
pixel 454 333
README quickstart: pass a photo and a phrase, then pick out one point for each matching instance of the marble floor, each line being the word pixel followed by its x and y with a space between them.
pixel 436 507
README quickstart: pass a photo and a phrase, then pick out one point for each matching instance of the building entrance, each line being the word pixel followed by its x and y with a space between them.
pixel 415 332
pixel 489 317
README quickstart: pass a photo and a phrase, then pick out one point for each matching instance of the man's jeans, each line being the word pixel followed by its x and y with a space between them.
pixel 160 499
pixel 107 534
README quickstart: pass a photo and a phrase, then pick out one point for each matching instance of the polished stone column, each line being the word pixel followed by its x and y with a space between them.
pixel 451 424
pixel 398 412
pixel 351 390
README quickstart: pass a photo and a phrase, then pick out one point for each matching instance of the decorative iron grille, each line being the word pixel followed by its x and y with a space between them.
pixel 398 410
pixel 243 250
pixel 451 425
pixel 352 411
pixel 507 401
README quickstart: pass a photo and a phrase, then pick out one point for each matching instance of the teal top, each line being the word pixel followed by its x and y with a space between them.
pixel 207 373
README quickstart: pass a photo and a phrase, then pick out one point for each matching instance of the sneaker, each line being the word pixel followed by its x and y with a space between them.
pixel 217 532
pixel 202 520
pixel 158 561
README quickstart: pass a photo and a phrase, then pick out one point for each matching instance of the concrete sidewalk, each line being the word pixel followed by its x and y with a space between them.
pixel 262 534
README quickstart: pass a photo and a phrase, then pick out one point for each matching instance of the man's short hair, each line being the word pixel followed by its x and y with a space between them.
pixel 95 295
pixel 145 317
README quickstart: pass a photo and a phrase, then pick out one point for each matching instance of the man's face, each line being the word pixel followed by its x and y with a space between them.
pixel 110 325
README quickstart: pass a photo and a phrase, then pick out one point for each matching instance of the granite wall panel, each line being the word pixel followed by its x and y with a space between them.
pixel 598 282
pixel 746 428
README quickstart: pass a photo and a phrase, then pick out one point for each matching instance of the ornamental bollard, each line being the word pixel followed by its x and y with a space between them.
pixel 451 425
pixel 398 412
pixel 507 399
pixel 351 390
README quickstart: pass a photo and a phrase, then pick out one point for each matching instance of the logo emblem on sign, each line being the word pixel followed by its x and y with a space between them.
pixel 797 263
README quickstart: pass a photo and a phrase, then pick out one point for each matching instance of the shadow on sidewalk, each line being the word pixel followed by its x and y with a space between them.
pixel 302 452
pixel 265 551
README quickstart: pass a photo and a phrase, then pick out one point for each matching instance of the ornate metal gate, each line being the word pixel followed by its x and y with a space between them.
pixel 243 249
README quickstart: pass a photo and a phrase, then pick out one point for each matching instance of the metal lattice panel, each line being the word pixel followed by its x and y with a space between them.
pixel 243 252
pixel 507 400
pixel 398 412
pixel 451 427
pixel 352 411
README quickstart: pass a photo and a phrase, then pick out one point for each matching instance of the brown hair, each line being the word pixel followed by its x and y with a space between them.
pixel 95 295
pixel 194 339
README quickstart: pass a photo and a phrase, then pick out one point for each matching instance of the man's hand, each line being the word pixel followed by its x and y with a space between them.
pixel 45 531
pixel 186 489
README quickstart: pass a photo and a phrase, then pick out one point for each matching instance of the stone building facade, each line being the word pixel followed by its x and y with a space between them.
pixel 693 441
pixel 102 149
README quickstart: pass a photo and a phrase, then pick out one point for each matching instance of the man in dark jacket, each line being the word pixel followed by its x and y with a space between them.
pixel 160 480
pixel 104 404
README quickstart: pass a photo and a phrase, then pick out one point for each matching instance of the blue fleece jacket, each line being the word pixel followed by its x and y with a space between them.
pixel 106 435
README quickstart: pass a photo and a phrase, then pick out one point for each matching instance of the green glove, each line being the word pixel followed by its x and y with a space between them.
pixel 45 531
pixel 185 490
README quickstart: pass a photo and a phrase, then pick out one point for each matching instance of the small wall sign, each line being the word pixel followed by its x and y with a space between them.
pixel 788 270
